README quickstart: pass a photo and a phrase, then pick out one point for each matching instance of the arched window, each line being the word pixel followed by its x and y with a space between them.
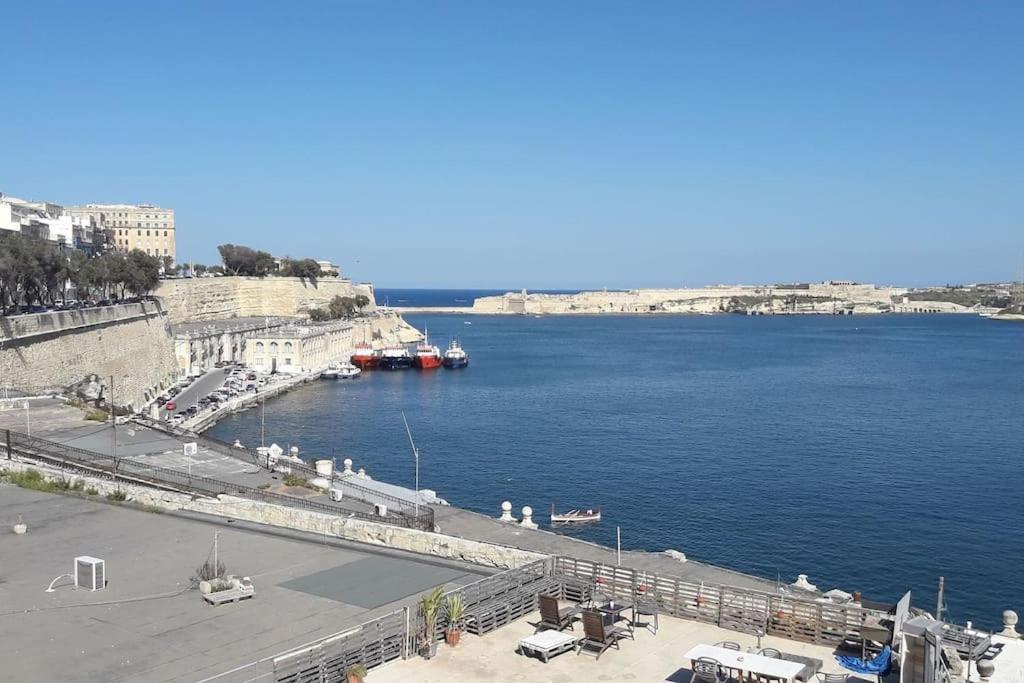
pixel 273 347
pixel 287 347
pixel 259 347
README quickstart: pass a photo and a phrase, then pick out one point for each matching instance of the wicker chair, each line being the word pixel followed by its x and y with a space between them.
pixel 551 617
pixel 598 636
pixel 833 678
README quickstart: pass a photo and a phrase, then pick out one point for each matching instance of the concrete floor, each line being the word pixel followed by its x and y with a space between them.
pixel 147 625
pixel 648 658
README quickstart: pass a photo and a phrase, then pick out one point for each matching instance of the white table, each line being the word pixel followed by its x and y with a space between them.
pixel 750 663
pixel 547 644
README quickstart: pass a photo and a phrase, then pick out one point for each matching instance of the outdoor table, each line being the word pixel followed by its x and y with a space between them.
pixel 547 644
pixel 613 610
pixel 743 661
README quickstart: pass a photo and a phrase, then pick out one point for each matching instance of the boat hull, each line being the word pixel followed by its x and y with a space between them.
pixel 455 363
pixel 426 362
pixel 365 362
pixel 395 363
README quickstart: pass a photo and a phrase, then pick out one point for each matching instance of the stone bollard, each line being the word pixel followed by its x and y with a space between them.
pixel 986 667
pixel 1009 624
pixel 528 522
pixel 348 466
pixel 802 582
pixel 506 512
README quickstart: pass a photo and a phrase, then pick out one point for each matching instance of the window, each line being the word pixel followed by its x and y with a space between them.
pixel 287 347
pixel 165 252
pixel 138 233
pixel 259 347
pixel 165 233
pixel 147 232
pixel 259 359
pixel 287 361
pixel 273 348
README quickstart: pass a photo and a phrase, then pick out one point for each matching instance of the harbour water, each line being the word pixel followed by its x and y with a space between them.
pixel 872 453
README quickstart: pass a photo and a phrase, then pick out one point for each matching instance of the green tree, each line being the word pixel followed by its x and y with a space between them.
pixel 308 269
pixel 140 272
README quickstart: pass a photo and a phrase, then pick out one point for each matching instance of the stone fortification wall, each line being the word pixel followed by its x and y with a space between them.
pixel 218 298
pixel 130 342
pixel 685 300
pixel 383 329
pixel 413 540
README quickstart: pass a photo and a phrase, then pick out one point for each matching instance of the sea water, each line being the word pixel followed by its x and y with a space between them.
pixel 873 453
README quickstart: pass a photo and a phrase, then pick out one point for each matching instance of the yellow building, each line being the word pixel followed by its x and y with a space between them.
pixel 129 226
pixel 306 347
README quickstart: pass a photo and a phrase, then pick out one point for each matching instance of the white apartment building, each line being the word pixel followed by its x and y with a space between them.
pixel 146 227
pixel 41 220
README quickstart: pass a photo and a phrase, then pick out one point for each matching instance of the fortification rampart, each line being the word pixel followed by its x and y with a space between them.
pixel 52 351
pixel 217 298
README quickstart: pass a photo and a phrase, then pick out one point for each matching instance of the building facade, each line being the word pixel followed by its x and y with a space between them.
pixel 38 220
pixel 201 345
pixel 145 227
pixel 307 347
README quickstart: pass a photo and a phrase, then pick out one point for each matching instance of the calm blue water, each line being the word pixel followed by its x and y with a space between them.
pixel 872 453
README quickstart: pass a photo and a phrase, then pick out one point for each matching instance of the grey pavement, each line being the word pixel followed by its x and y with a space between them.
pixel 147 625
pixel 463 523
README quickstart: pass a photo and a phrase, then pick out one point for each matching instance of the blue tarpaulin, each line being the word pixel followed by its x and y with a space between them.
pixel 879 666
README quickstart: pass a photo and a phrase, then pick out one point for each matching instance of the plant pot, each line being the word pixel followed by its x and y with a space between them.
pixel 428 651
pixel 453 636
pixel 20 528
pixel 205 588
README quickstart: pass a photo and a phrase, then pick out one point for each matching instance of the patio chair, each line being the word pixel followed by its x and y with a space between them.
pixel 708 670
pixel 770 652
pixel 646 607
pixel 598 636
pixel 554 618
pixel 833 678
pixel 729 645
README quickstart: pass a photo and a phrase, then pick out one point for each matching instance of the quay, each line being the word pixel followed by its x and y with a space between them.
pixel 338 583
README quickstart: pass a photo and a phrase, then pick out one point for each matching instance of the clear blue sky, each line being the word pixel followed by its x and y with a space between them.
pixel 539 144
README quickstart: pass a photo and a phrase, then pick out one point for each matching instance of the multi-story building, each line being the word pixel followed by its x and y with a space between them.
pixel 39 220
pixel 132 226
pixel 299 348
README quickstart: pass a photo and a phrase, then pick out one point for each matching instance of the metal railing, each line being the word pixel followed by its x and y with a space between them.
pixel 165 477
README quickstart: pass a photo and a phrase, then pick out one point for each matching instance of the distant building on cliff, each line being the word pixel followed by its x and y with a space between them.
pixel 39 220
pixel 145 227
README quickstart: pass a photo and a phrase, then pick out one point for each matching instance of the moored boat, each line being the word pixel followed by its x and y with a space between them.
pixel 395 357
pixel 427 356
pixel 364 356
pixel 331 372
pixel 575 516
pixel 455 357
pixel 348 371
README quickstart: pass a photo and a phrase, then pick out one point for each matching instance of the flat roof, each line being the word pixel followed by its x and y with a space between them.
pixel 147 624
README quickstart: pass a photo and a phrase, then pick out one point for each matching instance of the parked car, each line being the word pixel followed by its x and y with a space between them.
pixel 191 410
pixel 161 400
pixel 170 406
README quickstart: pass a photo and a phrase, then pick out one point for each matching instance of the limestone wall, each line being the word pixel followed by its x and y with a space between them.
pixel 217 298
pixel 130 342
pixel 436 544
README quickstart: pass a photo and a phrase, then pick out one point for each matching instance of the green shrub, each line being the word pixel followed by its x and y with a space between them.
pixel 117 496
pixel 91 491
pixel 96 416
pixel 295 480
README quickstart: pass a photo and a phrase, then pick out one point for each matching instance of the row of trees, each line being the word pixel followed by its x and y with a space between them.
pixel 340 307
pixel 242 260
pixel 35 272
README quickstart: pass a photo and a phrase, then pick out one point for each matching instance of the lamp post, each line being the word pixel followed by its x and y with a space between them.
pixel 416 455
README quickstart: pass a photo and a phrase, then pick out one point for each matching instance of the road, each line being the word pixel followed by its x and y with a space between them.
pixel 214 379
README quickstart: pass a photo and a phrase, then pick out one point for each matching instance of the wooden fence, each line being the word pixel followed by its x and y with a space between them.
pixel 737 609
pixel 371 644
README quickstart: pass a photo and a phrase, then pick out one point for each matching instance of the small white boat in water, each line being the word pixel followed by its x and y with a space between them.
pixel 341 371
pixel 574 516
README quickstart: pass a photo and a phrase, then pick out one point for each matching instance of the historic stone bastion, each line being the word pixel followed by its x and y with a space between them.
pixel 51 351
pixel 218 298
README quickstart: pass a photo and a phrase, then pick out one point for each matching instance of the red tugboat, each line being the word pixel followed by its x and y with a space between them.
pixel 427 356
pixel 364 357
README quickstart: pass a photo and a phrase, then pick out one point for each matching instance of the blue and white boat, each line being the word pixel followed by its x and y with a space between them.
pixel 455 357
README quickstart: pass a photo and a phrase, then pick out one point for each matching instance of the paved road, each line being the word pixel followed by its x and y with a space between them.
pixel 214 379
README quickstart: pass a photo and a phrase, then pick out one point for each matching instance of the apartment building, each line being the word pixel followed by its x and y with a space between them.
pixel 132 226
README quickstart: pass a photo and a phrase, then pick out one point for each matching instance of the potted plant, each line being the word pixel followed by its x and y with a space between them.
pixel 430 608
pixel 456 610
pixel 355 673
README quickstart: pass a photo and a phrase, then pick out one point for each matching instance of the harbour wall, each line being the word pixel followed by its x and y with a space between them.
pixel 351 529
pixel 219 298
pixel 52 351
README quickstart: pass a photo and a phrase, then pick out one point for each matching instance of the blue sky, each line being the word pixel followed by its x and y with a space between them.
pixel 538 144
